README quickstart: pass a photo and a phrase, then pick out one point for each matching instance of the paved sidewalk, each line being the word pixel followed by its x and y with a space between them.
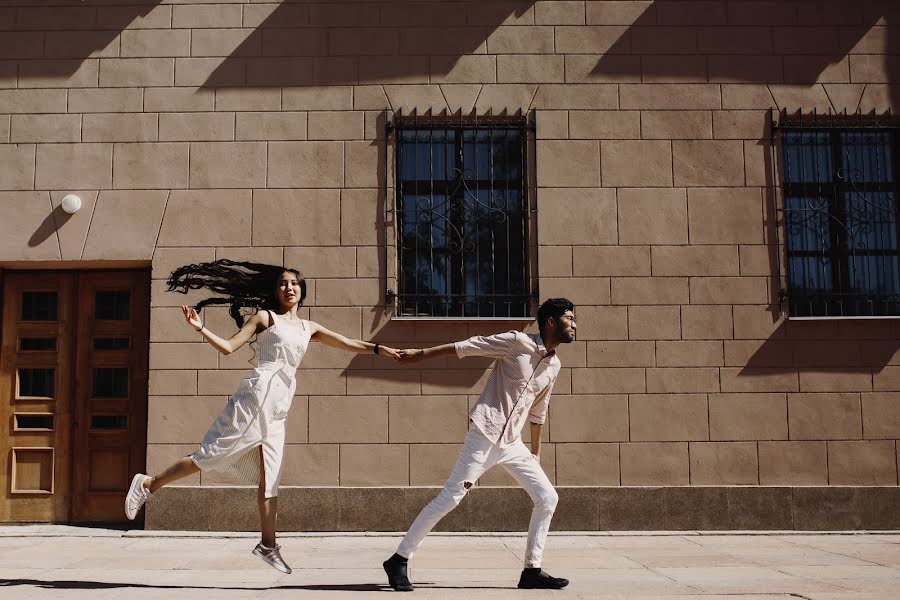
pixel 60 562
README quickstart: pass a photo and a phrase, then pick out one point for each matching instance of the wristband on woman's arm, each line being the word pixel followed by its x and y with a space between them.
pixel 376 348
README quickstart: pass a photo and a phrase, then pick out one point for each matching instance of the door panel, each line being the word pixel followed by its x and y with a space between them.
pixel 36 372
pixel 110 391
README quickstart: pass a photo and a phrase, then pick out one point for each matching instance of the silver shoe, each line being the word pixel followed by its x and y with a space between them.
pixel 137 496
pixel 272 557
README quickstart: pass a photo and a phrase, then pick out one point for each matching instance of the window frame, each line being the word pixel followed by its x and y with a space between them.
pixel 834 192
pixel 521 121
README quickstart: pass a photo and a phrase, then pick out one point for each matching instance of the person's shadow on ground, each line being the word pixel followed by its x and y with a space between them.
pixel 338 587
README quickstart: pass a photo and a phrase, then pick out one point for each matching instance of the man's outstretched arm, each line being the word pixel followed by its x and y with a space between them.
pixel 492 346
pixel 416 354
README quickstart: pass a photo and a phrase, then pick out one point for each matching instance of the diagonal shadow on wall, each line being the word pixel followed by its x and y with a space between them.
pixel 774 42
pixel 826 356
pixel 304 43
pixel 55 42
pixel 293 43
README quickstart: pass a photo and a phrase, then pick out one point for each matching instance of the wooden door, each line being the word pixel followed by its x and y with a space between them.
pixel 36 369
pixel 73 393
pixel 110 434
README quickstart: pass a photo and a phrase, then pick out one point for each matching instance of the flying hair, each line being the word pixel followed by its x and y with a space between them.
pixel 240 285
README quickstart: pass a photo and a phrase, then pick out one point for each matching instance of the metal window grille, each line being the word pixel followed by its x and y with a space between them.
pixel 462 216
pixel 839 195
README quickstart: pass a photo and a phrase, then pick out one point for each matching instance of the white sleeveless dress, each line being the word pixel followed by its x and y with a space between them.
pixel 256 414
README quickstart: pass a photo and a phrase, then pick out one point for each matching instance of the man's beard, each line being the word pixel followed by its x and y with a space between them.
pixel 566 337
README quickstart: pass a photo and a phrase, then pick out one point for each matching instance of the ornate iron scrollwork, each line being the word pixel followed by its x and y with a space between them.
pixel 459 214
pixel 861 214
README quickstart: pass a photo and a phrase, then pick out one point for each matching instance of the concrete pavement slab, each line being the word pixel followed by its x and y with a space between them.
pixel 53 562
pixel 746 580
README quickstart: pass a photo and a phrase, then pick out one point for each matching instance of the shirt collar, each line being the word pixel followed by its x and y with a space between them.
pixel 540 347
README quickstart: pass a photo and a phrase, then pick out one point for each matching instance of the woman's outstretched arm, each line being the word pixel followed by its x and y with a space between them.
pixel 253 324
pixel 336 340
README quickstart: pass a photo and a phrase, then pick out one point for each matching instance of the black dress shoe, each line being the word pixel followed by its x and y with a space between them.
pixel 536 579
pixel 395 567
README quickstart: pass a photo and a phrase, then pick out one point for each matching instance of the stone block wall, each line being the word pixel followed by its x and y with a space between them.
pixel 196 130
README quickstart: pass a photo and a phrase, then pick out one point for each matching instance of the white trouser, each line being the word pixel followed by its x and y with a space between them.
pixel 478 455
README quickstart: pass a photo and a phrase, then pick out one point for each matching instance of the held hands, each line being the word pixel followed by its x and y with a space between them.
pixel 410 356
pixel 389 352
pixel 192 318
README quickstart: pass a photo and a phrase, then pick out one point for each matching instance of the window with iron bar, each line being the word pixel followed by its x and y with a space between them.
pixel 462 216
pixel 839 204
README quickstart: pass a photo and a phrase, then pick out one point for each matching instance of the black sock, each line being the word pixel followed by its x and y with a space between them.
pixel 397 558
pixel 534 570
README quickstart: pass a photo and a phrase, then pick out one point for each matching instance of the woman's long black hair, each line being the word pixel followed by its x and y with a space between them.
pixel 240 284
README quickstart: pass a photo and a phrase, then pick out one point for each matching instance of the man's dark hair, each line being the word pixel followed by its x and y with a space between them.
pixel 553 307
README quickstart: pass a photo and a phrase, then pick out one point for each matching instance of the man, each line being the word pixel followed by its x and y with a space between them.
pixel 518 389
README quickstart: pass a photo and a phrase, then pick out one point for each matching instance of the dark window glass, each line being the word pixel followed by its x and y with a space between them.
pixel 37 344
pixel 109 422
pixel 840 219
pixel 807 157
pixel 39 306
pixel 462 208
pixel 111 343
pixel 39 383
pixel 113 305
pixel 34 421
pixel 110 383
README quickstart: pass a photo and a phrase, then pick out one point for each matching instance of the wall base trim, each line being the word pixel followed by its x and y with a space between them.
pixel 509 509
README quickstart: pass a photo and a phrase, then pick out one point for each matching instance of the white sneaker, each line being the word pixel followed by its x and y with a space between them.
pixel 137 495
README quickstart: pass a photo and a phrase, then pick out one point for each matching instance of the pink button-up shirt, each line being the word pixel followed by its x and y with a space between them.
pixel 520 385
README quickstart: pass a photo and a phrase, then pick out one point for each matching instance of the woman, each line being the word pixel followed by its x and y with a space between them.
pixel 247 439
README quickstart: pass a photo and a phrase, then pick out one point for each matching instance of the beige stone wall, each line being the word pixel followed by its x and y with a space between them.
pixel 197 130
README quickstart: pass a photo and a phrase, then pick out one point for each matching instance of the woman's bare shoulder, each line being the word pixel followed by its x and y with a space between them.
pixel 261 320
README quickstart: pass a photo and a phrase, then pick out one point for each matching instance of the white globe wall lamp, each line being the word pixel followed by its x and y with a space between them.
pixel 71 203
